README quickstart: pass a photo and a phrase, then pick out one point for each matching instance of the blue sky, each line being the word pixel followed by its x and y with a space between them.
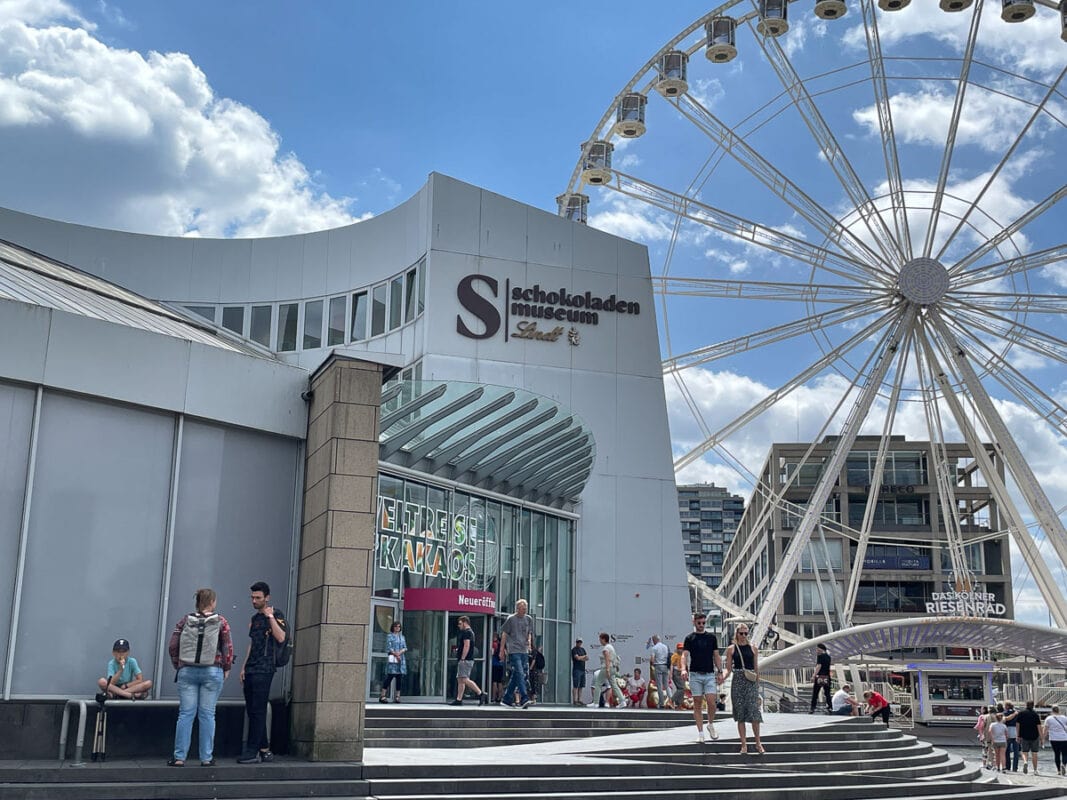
pixel 245 118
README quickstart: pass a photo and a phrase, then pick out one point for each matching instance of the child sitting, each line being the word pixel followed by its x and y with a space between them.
pixel 124 679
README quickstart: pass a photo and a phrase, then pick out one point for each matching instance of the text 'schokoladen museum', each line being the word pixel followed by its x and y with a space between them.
pixel 430 413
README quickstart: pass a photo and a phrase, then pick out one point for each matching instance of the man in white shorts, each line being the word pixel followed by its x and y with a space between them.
pixel 702 665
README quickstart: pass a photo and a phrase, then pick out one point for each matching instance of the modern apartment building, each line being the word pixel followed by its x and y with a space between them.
pixel 710 515
pixel 907 562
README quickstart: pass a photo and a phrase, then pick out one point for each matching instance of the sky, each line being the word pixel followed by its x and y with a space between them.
pixel 249 119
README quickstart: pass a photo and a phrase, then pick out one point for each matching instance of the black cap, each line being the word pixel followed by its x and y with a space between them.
pixel 122 645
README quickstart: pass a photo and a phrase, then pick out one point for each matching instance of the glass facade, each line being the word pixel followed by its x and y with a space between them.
pixel 432 537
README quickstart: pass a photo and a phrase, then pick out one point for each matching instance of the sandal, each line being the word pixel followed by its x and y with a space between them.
pixel 759 750
pixel 175 763
pixel 744 749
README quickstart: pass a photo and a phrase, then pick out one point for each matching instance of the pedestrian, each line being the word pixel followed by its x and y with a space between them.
pixel 677 662
pixel 877 706
pixel 998 737
pixel 516 639
pixel 266 633
pixel 636 686
pixel 843 704
pixel 609 671
pixel 742 660
pixel 579 657
pixel 201 650
pixel 396 663
pixel 821 678
pixel 702 667
pixel 1030 734
pixel 537 671
pixel 124 678
pixel 1056 729
pixel 465 664
pixel 661 665
pixel 497 670
pixel 1011 757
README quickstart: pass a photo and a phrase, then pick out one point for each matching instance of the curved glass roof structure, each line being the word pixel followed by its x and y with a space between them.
pixel 495 438
pixel 1047 645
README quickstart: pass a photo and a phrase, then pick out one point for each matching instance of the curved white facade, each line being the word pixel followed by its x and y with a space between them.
pixel 506 295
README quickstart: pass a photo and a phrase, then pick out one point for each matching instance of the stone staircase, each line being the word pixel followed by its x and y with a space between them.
pixel 848 759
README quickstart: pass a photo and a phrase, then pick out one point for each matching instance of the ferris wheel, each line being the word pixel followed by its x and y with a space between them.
pixel 862 196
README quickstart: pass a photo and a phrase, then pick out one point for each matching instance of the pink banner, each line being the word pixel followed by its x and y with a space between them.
pixel 461 600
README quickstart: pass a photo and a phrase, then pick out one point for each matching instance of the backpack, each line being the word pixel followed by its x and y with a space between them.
pixel 199 641
pixel 282 650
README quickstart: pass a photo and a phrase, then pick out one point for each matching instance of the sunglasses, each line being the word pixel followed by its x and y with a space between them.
pixel 742 633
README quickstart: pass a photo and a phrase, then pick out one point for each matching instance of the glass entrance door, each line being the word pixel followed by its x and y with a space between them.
pixel 427 647
pixel 381 619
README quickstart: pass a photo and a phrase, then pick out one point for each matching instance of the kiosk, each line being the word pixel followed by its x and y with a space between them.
pixel 951 692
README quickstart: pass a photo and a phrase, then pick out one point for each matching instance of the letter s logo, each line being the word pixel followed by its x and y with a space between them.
pixel 477 305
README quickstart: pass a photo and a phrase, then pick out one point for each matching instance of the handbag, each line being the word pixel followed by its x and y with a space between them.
pixel 751 675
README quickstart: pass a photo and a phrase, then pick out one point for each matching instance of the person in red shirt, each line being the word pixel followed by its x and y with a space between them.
pixel 877 706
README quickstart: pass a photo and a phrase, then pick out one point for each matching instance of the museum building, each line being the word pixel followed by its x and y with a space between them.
pixel 454 404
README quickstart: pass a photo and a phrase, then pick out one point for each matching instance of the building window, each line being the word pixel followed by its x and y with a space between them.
pixel 359 316
pixel 396 302
pixel 233 319
pixel 260 328
pixel 421 267
pixel 313 325
pixel 335 333
pixel 833 546
pixel 378 308
pixel 207 312
pixel 411 297
pixel 809 601
pixel 287 327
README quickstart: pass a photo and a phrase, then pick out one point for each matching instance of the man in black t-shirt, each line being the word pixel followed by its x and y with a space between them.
pixel 821 679
pixel 1028 724
pixel 702 666
pixel 465 663
pixel 578 658
pixel 266 632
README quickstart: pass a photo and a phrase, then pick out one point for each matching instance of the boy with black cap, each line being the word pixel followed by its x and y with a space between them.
pixel 124 679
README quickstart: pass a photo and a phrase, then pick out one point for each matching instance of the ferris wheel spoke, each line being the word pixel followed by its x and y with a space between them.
pixel 832 152
pixel 1038 110
pixel 766 173
pixel 885 123
pixel 777 333
pixel 874 492
pixel 1017 333
pixel 868 390
pixel 1012 303
pixel 1012 379
pixel 676 286
pixel 780 393
pixel 1011 266
pixel 953 125
pixel 741 230
pixel 1010 230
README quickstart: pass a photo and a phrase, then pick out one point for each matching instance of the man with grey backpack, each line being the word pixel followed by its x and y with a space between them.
pixel 268 649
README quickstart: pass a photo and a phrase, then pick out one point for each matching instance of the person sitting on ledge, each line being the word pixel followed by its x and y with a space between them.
pixel 124 679
pixel 843 704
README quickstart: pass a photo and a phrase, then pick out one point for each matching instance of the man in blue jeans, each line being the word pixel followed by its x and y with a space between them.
pixel 266 631
pixel 516 638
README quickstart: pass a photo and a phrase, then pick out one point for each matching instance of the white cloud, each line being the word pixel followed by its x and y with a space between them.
pixel 139 142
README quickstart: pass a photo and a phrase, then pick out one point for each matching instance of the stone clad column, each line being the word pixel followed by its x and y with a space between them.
pixel 336 561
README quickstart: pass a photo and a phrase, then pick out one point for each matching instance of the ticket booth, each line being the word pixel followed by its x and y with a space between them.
pixel 951 693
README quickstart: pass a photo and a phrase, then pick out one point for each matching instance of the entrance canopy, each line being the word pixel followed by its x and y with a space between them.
pixel 1046 645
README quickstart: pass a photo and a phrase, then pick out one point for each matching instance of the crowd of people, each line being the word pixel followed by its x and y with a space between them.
pixel 1009 736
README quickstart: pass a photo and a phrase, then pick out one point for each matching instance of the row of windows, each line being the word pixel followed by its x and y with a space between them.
pixel 328 321
pixel 902 467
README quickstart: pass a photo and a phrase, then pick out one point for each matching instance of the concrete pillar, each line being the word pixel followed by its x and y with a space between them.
pixel 336 563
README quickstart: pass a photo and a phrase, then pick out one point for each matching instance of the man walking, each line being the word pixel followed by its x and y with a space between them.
pixel 266 632
pixel 516 637
pixel 661 658
pixel 1030 729
pixel 702 665
pixel 578 658
pixel 465 663
pixel 1011 757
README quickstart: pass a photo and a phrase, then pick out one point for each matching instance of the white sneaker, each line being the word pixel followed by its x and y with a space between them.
pixel 714 734
pixel 700 737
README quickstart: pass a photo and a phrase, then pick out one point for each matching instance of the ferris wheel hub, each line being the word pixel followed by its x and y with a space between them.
pixel 923 280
